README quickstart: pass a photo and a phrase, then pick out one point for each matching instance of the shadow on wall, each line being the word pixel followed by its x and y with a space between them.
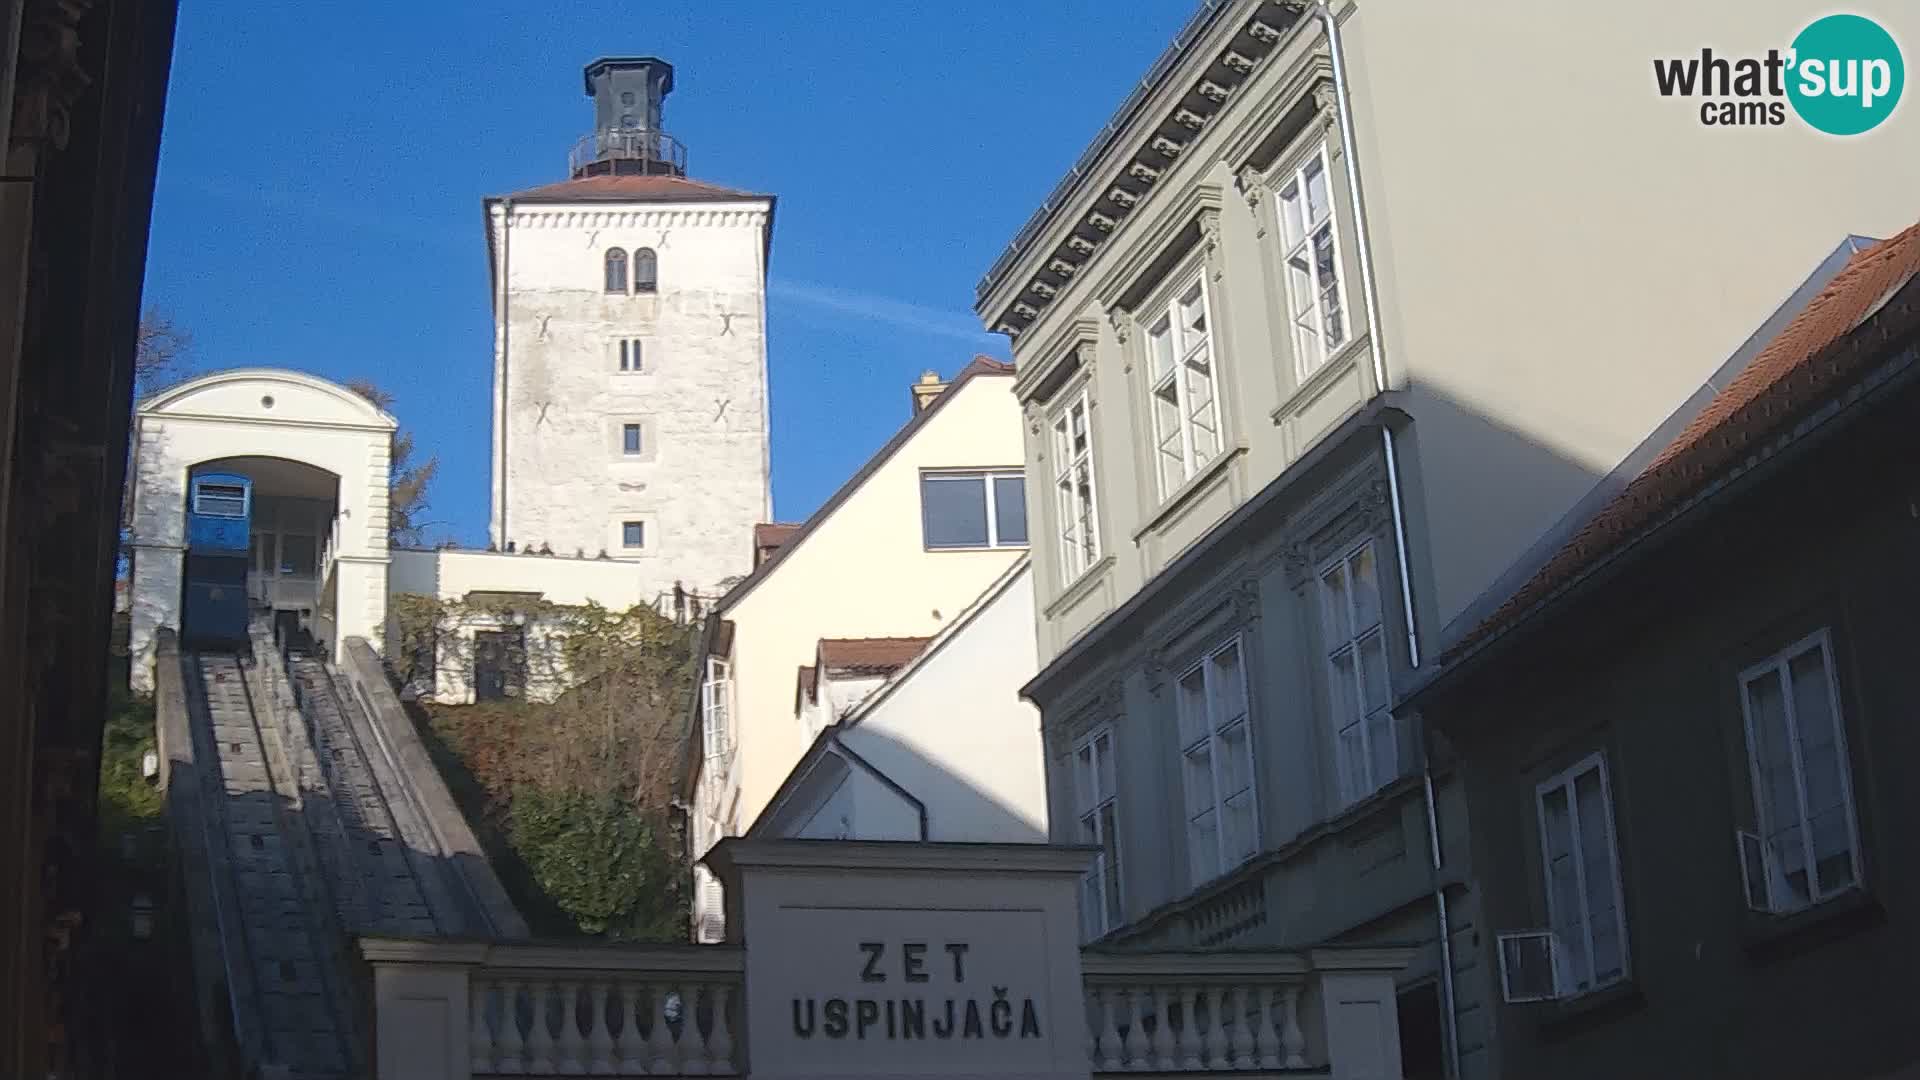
pixel 910 786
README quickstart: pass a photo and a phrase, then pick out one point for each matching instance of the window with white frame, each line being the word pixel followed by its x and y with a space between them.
pixel 630 440
pixel 1366 745
pixel 633 535
pixel 1073 487
pixel 974 509
pixel 1095 805
pixel 1316 298
pixel 716 709
pixel 1806 845
pixel 1186 405
pixel 1580 857
pixel 1216 752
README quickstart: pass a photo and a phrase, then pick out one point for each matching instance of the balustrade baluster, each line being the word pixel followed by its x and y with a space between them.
pixel 540 1053
pixel 1217 1028
pixel 479 1039
pixel 1135 1044
pixel 513 1059
pixel 630 1049
pixel 1163 1045
pixel 1239 1039
pixel 721 1042
pixel 1266 1048
pixel 1096 1021
pixel 573 1047
pixel 599 1035
pixel 659 1039
pixel 1109 1031
pixel 1293 1043
pixel 1192 1043
pixel 693 1045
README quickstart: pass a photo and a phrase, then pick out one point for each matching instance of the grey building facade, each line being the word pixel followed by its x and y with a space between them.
pixel 1686 741
pixel 1300 383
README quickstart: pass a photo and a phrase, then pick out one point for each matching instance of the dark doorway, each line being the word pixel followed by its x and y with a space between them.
pixel 1422 1045
pixel 499 664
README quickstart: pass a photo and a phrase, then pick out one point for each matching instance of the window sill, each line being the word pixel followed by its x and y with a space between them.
pixel 1771 937
pixel 976 548
pixel 1186 492
pixel 1329 372
pixel 1081 586
pixel 1571 1016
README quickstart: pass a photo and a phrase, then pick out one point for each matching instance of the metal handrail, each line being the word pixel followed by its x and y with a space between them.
pixel 656 151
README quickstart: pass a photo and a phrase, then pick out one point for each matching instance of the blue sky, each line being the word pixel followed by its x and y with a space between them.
pixel 318 204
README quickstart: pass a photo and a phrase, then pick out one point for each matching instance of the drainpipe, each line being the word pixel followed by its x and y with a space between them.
pixel 1343 106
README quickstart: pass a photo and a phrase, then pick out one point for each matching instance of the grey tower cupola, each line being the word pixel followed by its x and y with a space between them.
pixel 628 139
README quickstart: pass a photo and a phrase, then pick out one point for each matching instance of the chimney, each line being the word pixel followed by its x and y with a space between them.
pixel 927 389
pixel 627 139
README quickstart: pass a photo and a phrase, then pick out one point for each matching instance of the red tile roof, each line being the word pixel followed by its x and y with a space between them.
pixel 870 656
pixel 651 188
pixel 770 536
pixel 1798 369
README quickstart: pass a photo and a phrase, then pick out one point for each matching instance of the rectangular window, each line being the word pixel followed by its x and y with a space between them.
pixel 716 701
pixel 1180 371
pixel 1580 858
pixel 1217 764
pixel 630 439
pixel 633 534
pixel 1806 847
pixel 974 509
pixel 1094 804
pixel 1073 488
pixel 1366 746
pixel 630 354
pixel 1315 297
pixel 220 500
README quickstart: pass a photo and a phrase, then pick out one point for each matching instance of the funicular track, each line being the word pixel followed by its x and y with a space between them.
pixel 282 954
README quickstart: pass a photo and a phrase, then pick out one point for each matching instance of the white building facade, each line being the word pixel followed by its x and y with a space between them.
pixel 630 385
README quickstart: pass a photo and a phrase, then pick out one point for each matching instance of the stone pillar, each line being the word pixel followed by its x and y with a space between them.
pixel 421 1008
pixel 860 954
pixel 153 597
pixel 1359 1012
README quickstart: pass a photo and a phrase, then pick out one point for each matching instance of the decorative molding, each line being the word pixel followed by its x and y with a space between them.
pixel 1062 267
pixel 1154 667
pixel 1122 323
pixel 1246 602
pixel 1143 172
pixel 632 218
pixel 1213 91
pixel 1253 185
pixel 50 76
pixel 1263 33
pixel 1042 289
pixel 1026 310
pixel 1237 63
pixel 1080 245
pixel 1123 198
pixel 1101 221
pixel 1112 701
pixel 1298 560
pixel 1166 147
pixel 1189 119
pixel 1210 241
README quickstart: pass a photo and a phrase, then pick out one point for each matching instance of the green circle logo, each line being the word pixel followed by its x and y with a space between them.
pixel 1846 75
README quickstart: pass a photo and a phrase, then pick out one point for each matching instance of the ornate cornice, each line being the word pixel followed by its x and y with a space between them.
pixel 636 218
pixel 50 77
pixel 1158 146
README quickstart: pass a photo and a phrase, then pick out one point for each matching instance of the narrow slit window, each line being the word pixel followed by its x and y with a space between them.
pixel 630 439
pixel 633 535
pixel 631 355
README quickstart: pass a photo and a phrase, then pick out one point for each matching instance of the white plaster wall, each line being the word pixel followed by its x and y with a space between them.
pixel 701 482
pixel 863 572
pixel 956 734
pixel 257 412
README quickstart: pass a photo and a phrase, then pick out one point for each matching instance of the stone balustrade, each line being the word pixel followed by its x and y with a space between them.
pixel 527 1009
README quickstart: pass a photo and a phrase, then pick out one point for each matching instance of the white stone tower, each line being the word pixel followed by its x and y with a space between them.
pixel 630 354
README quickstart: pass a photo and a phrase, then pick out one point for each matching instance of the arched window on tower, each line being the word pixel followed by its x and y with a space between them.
pixel 646 271
pixel 617 270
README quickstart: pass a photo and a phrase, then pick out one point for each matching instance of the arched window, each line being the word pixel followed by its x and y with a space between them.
pixel 617 269
pixel 646 270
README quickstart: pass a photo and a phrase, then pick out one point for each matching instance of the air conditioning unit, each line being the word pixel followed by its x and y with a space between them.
pixel 1532 967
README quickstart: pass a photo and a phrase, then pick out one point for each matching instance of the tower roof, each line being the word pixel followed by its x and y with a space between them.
pixel 657 187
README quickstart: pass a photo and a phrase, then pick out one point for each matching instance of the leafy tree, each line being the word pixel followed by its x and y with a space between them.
pixel 601 860
pixel 160 352
pixel 408 478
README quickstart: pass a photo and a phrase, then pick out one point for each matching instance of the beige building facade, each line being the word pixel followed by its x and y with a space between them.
pixel 899 552
pixel 1348 308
